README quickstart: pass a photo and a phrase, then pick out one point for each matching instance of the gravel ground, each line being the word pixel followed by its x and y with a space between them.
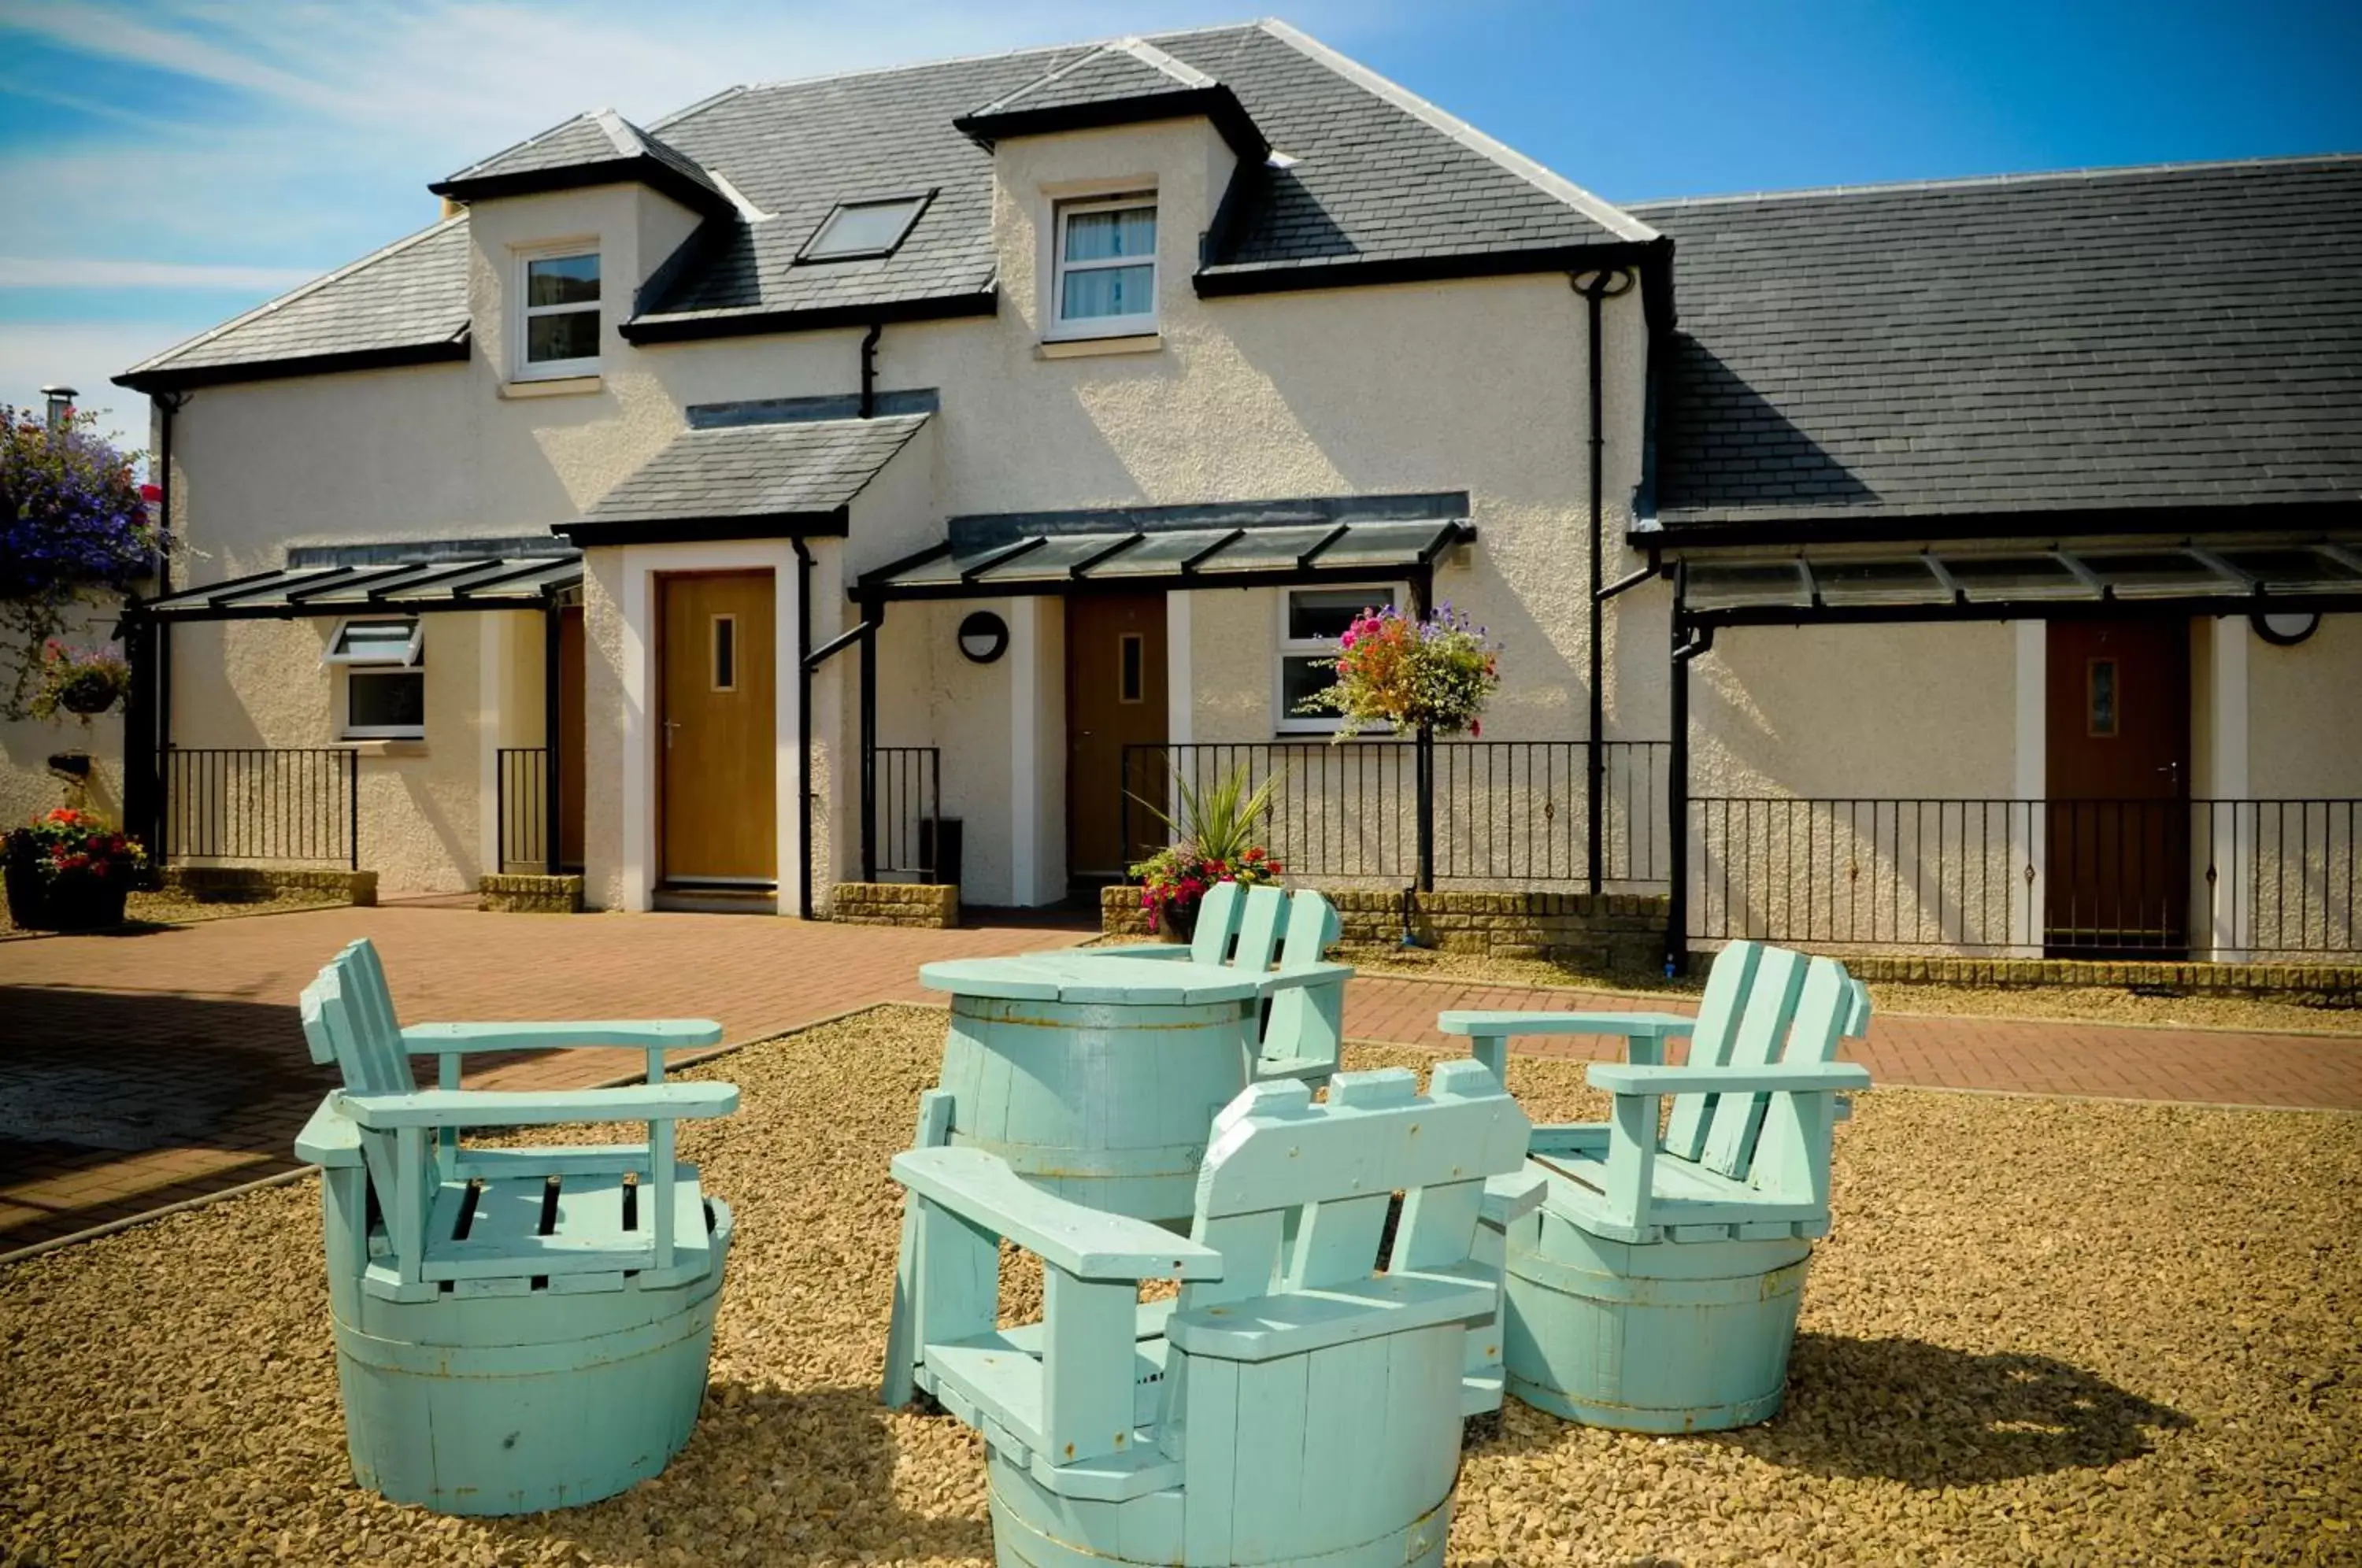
pixel 2089 1004
pixel 162 908
pixel 2043 1331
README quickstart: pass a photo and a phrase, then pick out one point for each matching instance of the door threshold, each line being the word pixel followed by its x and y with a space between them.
pixel 712 897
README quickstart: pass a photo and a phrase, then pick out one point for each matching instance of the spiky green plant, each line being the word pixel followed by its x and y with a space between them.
pixel 1220 820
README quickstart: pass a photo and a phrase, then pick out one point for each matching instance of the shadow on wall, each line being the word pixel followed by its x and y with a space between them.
pixel 1933 1416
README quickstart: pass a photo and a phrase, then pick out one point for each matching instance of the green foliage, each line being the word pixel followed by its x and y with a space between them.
pixel 74 528
pixel 1214 841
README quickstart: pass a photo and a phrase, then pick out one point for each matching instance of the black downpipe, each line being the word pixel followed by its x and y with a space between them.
pixel 1688 644
pixel 1423 759
pixel 869 369
pixel 872 615
pixel 148 716
pixel 1599 287
pixel 552 643
pixel 804 728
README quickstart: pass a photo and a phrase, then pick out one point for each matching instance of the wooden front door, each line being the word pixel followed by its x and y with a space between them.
pixel 719 802
pixel 1115 698
pixel 569 736
pixel 2117 754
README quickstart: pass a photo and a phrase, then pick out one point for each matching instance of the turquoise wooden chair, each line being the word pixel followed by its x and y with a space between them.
pixel 1300 1401
pixel 516 1329
pixel 1285 938
pixel 1658 1287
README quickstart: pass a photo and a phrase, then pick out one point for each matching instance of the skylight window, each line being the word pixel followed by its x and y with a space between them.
pixel 858 230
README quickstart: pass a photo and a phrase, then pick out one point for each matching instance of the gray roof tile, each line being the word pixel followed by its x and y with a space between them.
pixel 2129 338
pixel 799 467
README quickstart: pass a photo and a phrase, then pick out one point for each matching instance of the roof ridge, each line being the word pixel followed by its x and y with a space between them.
pixel 2025 177
pixel 1148 54
pixel 540 136
pixel 1086 45
pixel 1606 215
pixel 628 138
pixel 156 360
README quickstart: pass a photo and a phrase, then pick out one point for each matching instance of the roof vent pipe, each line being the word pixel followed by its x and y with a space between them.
pixel 61 404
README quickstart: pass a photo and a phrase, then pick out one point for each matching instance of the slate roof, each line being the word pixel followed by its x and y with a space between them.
pixel 594 148
pixel 1378 185
pixel 2172 336
pixel 1128 82
pixel 797 471
pixel 1128 68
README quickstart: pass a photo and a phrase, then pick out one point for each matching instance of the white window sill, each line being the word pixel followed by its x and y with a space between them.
pixel 551 386
pixel 390 747
pixel 1084 348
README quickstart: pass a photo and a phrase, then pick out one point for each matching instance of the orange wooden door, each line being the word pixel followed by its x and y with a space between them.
pixel 2117 754
pixel 569 736
pixel 720 802
pixel 1115 698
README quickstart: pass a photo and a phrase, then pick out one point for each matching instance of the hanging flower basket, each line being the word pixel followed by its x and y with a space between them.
pixel 1438 672
pixel 69 870
pixel 82 681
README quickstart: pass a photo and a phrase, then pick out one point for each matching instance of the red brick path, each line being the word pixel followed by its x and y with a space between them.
pixel 136 1071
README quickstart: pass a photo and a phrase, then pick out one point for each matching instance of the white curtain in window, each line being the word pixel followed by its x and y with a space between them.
pixel 1110 290
pixel 1098 237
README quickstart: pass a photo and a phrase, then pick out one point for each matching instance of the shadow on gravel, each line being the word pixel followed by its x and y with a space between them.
pixel 814 1468
pixel 1930 1415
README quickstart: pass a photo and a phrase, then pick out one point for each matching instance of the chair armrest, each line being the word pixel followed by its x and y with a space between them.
pixel 1644 1025
pixel 505 1108
pixel 329 1138
pixel 1310 975
pixel 1617 1077
pixel 1512 1195
pixel 1145 950
pixel 644 1034
pixel 1088 1244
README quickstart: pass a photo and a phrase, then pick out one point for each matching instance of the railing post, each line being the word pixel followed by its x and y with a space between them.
pixel 935 807
pixel 353 809
pixel 1597 763
pixel 1425 765
pixel 552 659
pixel 872 611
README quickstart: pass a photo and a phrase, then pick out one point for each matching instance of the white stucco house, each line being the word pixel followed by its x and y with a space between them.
pixel 714 505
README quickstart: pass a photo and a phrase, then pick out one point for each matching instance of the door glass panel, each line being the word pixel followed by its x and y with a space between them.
pixel 725 653
pixel 1131 659
pixel 2102 685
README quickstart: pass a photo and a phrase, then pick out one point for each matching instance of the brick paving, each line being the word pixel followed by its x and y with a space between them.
pixel 139 1070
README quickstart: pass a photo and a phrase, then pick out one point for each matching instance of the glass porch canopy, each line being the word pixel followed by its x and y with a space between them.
pixel 2230 576
pixel 411 587
pixel 1255 549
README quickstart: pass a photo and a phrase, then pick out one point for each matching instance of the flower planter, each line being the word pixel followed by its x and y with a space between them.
pixel 89 694
pixel 69 903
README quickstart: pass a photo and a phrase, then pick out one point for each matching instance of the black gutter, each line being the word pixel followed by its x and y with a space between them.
pixel 869 369
pixel 2101 608
pixel 684 328
pixel 451 351
pixel 2031 528
pixel 591 531
pixel 1142 582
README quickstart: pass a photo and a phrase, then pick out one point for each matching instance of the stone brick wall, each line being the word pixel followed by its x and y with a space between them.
pixel 529 895
pixel 932 906
pixel 2340 983
pixel 235 884
pixel 1612 931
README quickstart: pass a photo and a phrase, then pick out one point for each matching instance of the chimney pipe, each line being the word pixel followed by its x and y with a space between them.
pixel 61 402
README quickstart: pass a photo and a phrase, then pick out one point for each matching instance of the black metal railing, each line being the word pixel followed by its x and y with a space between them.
pixel 299 803
pixel 1511 814
pixel 521 807
pixel 907 839
pixel 2065 878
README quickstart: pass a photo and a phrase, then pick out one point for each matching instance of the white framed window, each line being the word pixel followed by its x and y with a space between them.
pixel 858 230
pixel 557 322
pixel 1310 622
pixel 385 686
pixel 1104 282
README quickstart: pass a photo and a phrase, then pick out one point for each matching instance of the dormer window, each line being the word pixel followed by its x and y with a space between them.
pixel 854 231
pixel 559 328
pixel 1106 283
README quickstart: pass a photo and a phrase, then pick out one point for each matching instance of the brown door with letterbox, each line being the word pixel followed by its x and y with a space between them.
pixel 1115 699
pixel 719 802
pixel 2117 757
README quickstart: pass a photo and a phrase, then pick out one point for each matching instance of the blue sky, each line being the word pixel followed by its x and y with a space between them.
pixel 167 164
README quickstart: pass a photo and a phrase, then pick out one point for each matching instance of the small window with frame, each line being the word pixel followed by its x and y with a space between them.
pixel 385 685
pixel 1311 620
pixel 2101 699
pixel 723 644
pixel 1104 276
pixel 557 318
pixel 1131 668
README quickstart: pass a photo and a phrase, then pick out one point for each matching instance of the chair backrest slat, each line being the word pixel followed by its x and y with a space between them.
pixel 1727 985
pixel 1307 1021
pixel 1258 929
pixel 1312 926
pixel 1761 1036
pixel 328 1017
pixel 368 1053
pixel 1217 921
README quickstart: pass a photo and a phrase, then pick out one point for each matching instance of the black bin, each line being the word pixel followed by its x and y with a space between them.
pixel 940 842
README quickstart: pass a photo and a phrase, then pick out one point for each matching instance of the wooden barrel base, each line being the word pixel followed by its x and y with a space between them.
pixel 1667 1337
pixel 517 1403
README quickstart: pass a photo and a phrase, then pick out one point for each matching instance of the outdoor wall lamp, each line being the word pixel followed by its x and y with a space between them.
pixel 2286 629
pixel 983 637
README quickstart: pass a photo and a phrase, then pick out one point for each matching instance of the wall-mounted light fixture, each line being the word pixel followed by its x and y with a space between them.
pixel 983 637
pixel 2285 629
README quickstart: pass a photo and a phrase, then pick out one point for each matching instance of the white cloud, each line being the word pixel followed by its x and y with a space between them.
pixel 75 272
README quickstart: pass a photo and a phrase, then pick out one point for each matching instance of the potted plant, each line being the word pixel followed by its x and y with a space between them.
pixel 69 870
pixel 82 681
pixel 1436 672
pixel 1214 842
